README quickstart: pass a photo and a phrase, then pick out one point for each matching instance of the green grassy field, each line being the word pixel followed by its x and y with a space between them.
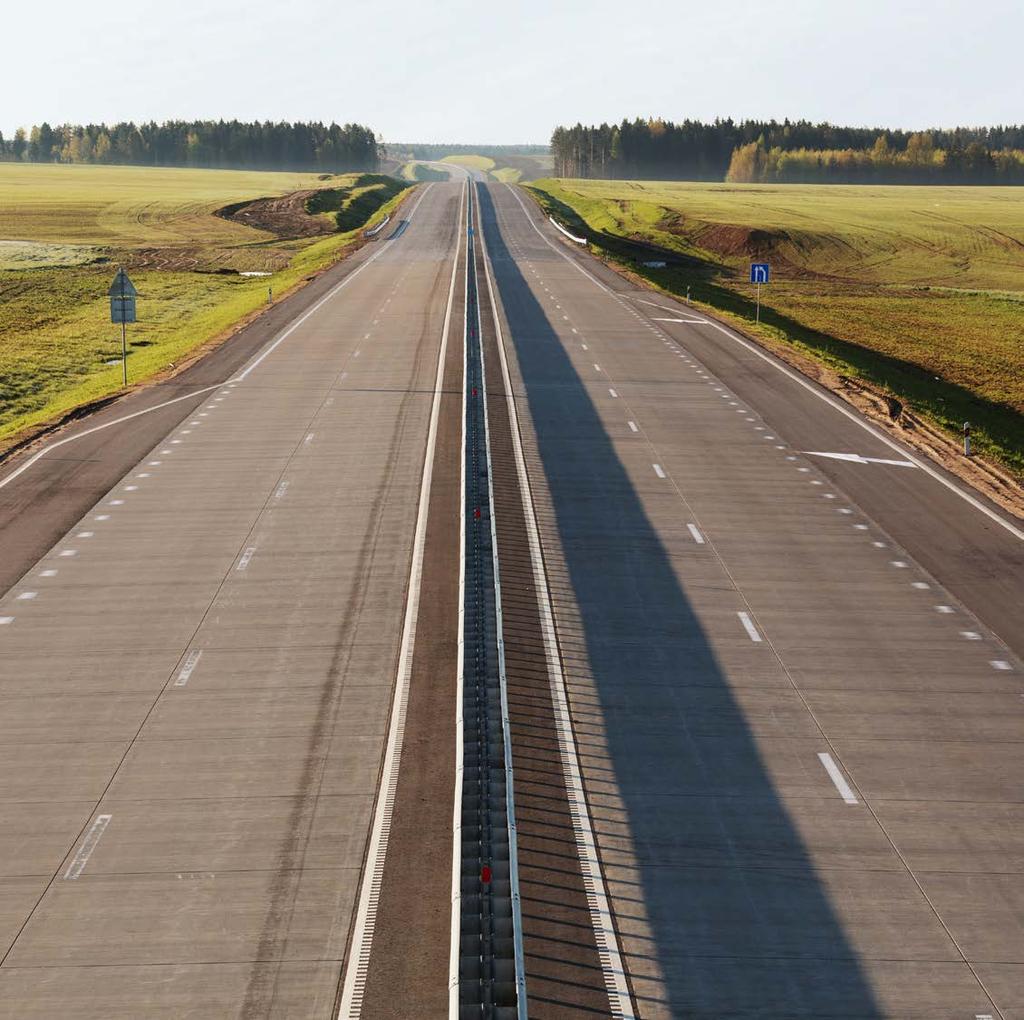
pixel 65 228
pixel 918 291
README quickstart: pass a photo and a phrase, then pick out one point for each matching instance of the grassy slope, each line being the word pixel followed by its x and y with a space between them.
pixel 471 162
pixel 55 333
pixel 918 291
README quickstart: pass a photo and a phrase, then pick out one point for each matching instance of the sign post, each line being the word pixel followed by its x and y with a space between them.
pixel 122 309
pixel 759 273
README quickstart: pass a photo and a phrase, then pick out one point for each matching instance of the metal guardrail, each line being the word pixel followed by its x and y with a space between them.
pixel 377 229
pixel 491 974
pixel 572 237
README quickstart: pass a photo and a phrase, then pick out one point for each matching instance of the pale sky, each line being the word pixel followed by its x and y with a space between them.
pixel 452 70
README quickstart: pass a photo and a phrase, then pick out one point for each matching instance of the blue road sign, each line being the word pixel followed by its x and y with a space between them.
pixel 759 272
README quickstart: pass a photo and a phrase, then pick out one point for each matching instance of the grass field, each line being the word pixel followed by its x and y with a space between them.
pixel 918 291
pixel 483 163
pixel 63 229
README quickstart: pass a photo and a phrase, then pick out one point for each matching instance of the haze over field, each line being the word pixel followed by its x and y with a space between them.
pixel 532 65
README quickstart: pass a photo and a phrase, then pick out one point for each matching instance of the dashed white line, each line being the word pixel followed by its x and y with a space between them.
pixel 26 596
pixel 697 536
pixel 837 778
pixel 189 667
pixel 748 626
pixel 69 552
pixel 632 426
pixel 659 470
pixel 613 393
pixel 92 837
pixel 4 620
pixel 246 557
pixel 999 664
pixel 970 635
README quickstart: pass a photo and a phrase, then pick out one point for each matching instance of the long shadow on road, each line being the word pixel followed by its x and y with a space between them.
pixel 722 912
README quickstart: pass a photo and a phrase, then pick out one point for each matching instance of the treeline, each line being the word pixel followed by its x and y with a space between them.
pixel 201 143
pixel 432 150
pixel 921 162
pixel 656 149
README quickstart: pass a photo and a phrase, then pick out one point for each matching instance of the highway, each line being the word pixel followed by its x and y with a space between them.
pixel 762 667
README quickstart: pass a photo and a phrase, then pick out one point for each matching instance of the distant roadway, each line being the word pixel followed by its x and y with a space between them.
pixel 764 668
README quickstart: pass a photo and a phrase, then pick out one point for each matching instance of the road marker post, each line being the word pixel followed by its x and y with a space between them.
pixel 759 273
pixel 122 295
pixel 967 439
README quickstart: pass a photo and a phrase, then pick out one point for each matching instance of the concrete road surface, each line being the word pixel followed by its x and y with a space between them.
pixel 764 666
pixel 196 679
pixel 793 675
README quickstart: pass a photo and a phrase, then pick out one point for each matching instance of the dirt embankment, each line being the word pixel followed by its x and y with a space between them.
pixel 286 215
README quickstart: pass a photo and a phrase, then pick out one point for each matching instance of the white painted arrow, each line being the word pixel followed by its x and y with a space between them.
pixel 856 458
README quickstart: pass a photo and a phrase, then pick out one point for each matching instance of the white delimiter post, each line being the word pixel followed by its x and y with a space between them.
pixel 757 317
pixel 967 439
pixel 124 335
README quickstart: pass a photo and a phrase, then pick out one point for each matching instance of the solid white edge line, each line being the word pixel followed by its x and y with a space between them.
pixel 605 936
pixel 267 351
pixel 837 778
pixel 806 384
pixel 35 458
pixel 99 428
pixel 455 931
pixel 358 955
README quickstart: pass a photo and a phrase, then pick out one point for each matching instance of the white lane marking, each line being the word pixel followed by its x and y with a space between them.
pixel 116 502
pixel 4 620
pixel 999 664
pixel 597 368
pixel 632 426
pixel 837 778
pixel 47 573
pixel 899 564
pixel 281 490
pixel 102 517
pixel 692 322
pixel 614 971
pixel 85 534
pixel 861 527
pixel 658 470
pixel 246 557
pixel 856 458
pixel 69 552
pixel 155 463
pixel 584 347
pixel 613 393
pixel 35 458
pixel 356 354
pixel 327 297
pixel 354 983
pixel 189 667
pixel 920 585
pixel 131 488
pixel 748 626
pixel 26 596
pixel 944 609
pixel 309 438
pixel 823 395
pixel 697 536
pixel 878 545
pixel 970 635
pixel 92 837
pixel 144 474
